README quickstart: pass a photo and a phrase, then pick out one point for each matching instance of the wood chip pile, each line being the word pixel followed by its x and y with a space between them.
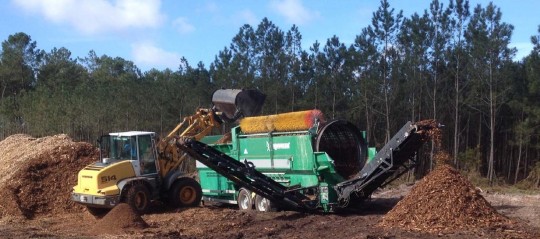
pixel 444 201
pixel 38 174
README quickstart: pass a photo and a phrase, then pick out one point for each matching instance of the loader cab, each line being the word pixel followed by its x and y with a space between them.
pixel 139 147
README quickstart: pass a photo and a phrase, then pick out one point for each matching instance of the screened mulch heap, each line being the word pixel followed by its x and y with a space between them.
pixel 445 201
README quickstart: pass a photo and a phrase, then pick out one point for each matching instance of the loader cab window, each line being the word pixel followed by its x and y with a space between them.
pixel 129 147
pixel 118 147
pixel 147 155
pixel 105 148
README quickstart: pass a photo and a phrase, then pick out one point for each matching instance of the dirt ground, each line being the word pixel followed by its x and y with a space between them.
pixel 34 203
pixel 218 221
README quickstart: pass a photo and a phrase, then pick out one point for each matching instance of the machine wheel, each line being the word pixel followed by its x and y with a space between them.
pixel 244 199
pixel 263 205
pixel 138 198
pixel 185 192
pixel 97 211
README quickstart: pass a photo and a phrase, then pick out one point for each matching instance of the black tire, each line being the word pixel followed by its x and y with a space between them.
pixel 244 200
pixel 97 211
pixel 185 192
pixel 138 198
pixel 264 205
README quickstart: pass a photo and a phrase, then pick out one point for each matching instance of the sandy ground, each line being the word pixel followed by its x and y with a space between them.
pixel 519 206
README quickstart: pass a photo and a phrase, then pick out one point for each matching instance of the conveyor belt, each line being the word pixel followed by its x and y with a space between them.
pixel 394 159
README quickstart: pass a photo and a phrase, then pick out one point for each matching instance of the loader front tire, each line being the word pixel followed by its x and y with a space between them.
pixel 138 198
pixel 185 192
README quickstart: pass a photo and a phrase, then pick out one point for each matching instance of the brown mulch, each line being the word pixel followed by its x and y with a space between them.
pixel 41 184
pixel 445 201
pixel 120 219
pixel 430 130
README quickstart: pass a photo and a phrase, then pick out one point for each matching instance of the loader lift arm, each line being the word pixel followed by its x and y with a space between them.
pixel 396 158
pixel 229 105
pixel 197 126
pixel 245 175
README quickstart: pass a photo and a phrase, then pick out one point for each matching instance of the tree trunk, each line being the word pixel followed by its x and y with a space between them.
pixel 293 95
pixel 368 121
pixel 479 140
pixel 334 105
pixel 509 160
pixel 456 115
pixel 520 150
pixel 3 91
pixel 526 161
pixel 491 169
pixel 434 105
pixel 387 116
pixel 385 85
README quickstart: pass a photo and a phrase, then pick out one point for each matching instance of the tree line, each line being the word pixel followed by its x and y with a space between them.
pixel 452 63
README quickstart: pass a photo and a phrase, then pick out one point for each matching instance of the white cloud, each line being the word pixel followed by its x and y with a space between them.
pixel 97 16
pixel 294 11
pixel 183 26
pixel 147 54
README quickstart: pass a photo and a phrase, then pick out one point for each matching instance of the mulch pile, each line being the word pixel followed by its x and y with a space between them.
pixel 42 174
pixel 120 219
pixel 444 200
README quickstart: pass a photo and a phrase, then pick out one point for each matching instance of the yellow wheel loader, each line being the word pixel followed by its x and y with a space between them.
pixel 136 168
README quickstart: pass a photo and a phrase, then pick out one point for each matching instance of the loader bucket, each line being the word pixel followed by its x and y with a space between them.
pixel 235 104
pixel 345 145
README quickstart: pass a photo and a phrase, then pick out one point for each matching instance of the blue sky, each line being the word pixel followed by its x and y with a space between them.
pixel 156 33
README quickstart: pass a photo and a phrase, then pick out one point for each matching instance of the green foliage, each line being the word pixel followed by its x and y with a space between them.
pixel 470 161
pixel 59 70
pixel 533 180
pixel 19 60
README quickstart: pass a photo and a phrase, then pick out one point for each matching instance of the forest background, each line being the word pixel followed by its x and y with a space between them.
pixel 452 63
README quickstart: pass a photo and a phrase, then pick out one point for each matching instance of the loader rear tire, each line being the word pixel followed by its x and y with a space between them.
pixel 138 198
pixel 185 192
pixel 244 199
